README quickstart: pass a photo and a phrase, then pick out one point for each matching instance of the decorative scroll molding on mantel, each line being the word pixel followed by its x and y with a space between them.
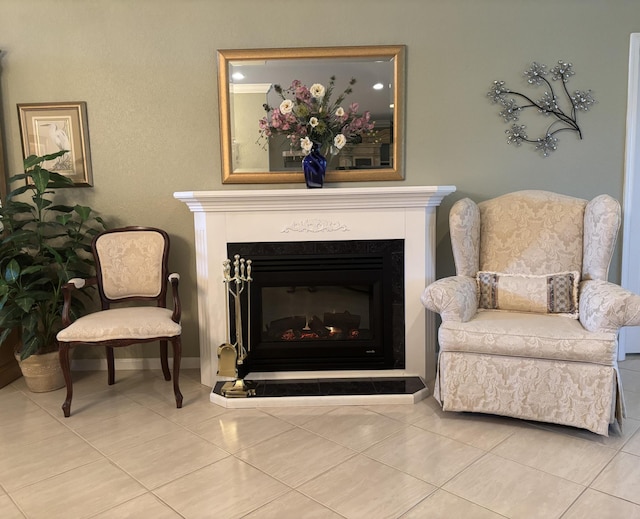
pixel 315 225
pixel 360 213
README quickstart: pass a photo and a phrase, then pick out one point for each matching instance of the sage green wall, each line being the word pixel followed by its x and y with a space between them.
pixel 147 70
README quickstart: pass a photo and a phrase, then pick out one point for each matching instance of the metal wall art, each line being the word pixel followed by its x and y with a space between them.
pixel 563 112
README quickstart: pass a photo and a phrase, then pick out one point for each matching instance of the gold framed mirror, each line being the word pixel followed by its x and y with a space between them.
pixel 249 81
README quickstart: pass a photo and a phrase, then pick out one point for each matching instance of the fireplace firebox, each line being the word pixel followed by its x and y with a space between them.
pixel 335 305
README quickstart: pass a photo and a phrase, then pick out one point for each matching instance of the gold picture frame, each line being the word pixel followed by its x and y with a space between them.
pixel 286 63
pixel 47 128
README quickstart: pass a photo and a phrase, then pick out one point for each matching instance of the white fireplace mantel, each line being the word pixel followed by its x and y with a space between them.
pixel 361 213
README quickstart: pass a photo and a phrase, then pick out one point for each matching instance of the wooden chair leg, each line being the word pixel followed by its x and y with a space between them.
pixel 164 361
pixel 63 353
pixel 176 342
pixel 110 366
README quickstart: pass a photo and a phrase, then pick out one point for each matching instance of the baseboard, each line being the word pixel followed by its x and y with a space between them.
pixel 131 364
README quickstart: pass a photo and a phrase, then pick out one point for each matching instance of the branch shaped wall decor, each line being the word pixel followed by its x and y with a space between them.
pixel 549 105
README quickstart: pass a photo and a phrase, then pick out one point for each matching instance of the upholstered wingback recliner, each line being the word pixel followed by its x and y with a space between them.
pixel 530 322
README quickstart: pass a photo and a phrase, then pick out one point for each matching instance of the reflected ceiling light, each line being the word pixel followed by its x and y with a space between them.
pixel 378 86
pixel 237 76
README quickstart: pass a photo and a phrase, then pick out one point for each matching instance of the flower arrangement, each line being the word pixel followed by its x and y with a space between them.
pixel 308 115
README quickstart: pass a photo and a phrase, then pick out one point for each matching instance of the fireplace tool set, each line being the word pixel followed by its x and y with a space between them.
pixel 232 354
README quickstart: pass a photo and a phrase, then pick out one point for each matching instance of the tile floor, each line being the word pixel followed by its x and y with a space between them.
pixel 126 452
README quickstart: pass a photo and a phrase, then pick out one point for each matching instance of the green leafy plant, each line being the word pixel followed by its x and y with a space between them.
pixel 42 247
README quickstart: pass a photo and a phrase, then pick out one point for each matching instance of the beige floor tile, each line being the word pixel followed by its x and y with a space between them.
pixel 293 505
pixel 425 455
pixel 362 487
pixel 615 440
pixel 574 459
pixel 633 445
pixel 126 430
pixel 78 493
pixel 443 505
pixel 354 427
pixel 39 460
pixel 513 490
pixel 85 383
pixel 227 489
pixel 146 505
pixel 632 401
pixel 32 426
pixel 154 392
pixel 7 389
pixel 239 429
pixel 195 409
pixel 630 380
pixel 167 457
pixel 621 478
pixel 602 506
pixel 14 403
pixel 97 407
pixel 8 509
pixel 295 456
pixel 298 415
pixel 632 362
pixel 409 413
pixel 481 431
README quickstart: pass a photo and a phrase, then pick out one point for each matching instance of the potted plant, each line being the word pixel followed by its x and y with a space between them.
pixel 42 246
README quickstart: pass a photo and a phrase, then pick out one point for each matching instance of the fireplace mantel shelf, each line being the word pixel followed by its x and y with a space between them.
pixel 341 213
pixel 324 199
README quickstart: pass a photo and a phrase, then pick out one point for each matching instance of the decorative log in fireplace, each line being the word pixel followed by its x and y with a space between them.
pixel 325 305
pixel 343 325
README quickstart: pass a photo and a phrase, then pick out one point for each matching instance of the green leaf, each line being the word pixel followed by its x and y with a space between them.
pixel 83 211
pixel 25 303
pixel 63 219
pixel 4 334
pixel 33 160
pixel 40 179
pixel 12 272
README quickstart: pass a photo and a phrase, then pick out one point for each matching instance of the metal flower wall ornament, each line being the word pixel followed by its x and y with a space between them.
pixel 564 119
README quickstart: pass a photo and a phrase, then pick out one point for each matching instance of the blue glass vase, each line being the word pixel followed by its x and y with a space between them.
pixel 314 166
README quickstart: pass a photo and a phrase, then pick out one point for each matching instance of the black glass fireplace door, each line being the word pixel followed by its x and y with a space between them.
pixel 320 313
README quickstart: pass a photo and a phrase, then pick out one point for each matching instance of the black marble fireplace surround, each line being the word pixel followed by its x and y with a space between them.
pixel 373 268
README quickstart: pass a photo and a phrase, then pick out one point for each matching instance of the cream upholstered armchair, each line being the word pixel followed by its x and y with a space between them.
pixel 530 322
pixel 131 267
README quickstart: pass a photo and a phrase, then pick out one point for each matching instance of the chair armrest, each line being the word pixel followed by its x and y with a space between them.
pixel 67 293
pixel 606 307
pixel 455 298
pixel 174 279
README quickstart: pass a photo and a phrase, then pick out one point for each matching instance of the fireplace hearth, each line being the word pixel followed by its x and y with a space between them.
pixel 324 305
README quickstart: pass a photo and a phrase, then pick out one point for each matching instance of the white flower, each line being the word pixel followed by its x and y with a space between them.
pixel 339 141
pixel 313 122
pixel 339 111
pixel 306 144
pixel 317 90
pixel 286 106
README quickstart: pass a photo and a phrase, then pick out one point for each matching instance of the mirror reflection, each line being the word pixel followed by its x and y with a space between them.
pixel 362 85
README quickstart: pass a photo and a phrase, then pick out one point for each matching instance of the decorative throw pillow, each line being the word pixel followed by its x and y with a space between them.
pixel 547 294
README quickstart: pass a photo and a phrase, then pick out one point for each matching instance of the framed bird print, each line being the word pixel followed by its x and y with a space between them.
pixel 48 128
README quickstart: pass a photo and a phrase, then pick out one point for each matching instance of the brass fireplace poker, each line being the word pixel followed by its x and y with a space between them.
pixel 231 354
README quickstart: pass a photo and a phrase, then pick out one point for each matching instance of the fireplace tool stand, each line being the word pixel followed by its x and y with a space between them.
pixel 232 354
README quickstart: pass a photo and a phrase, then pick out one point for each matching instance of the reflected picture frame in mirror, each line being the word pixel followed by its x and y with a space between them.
pixel 247 80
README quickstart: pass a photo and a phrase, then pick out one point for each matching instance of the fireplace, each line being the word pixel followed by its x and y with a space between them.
pixel 318 215
pixel 324 305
